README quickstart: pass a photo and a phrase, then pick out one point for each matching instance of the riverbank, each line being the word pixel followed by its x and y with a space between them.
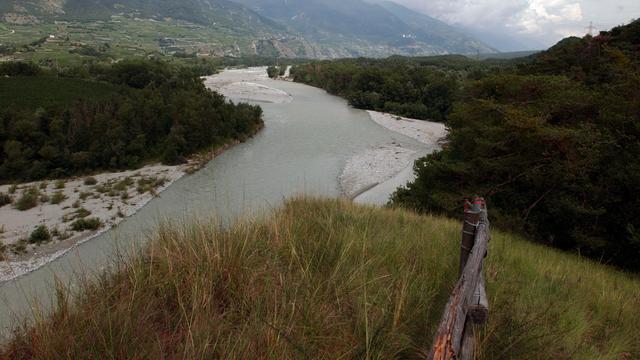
pixel 427 132
pixel 49 218
pixel 373 175
pixel 241 85
pixel 365 170
pixel 70 212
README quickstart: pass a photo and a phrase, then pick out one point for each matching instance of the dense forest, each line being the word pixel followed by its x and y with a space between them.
pixel 106 117
pixel 421 88
pixel 552 142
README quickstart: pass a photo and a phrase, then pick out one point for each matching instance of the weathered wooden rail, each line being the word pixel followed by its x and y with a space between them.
pixel 468 305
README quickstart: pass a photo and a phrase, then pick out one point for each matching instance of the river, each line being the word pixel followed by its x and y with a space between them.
pixel 302 149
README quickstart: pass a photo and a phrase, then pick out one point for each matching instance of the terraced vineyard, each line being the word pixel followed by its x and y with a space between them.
pixel 122 37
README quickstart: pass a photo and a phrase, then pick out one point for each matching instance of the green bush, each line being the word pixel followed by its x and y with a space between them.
pixel 39 235
pixel 82 213
pixel 273 72
pixel 58 197
pixel 90 181
pixel 86 224
pixel 28 199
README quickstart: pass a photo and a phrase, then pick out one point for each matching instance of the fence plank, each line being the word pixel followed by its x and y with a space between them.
pixel 479 310
pixel 448 339
pixel 467 350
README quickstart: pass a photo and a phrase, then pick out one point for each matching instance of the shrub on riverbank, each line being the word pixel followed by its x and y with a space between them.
pixel 58 197
pixel 83 224
pixel 39 235
pixel 28 199
pixel 328 279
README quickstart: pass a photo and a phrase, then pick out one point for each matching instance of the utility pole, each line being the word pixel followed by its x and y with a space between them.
pixel 590 28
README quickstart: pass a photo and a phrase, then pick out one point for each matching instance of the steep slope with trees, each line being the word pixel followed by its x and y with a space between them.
pixel 553 146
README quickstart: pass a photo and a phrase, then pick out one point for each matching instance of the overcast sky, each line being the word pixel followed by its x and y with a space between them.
pixel 543 21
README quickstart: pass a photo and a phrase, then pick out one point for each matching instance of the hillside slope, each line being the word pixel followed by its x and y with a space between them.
pixel 207 27
pixel 310 28
pixel 328 279
pixel 359 28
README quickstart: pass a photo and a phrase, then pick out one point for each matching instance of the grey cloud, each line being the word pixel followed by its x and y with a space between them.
pixel 542 21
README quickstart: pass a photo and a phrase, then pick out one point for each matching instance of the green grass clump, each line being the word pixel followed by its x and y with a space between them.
pixel 150 184
pixel 83 224
pixel 58 197
pixel 327 279
pixel 123 184
pixel 82 213
pixel 28 199
pixel 90 180
pixel 40 235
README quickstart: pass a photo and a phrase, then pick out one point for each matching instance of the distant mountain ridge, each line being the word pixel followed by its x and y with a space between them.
pixel 389 27
pixel 285 28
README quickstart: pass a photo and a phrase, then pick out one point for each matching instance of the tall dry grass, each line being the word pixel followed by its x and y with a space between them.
pixel 326 279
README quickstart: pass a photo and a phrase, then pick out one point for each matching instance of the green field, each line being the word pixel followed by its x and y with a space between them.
pixel 43 91
pixel 327 279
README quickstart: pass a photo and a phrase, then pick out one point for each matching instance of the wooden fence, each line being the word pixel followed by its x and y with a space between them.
pixel 468 305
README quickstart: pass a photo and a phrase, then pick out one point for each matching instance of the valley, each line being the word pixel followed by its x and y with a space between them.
pixel 111 31
pixel 284 179
pixel 304 148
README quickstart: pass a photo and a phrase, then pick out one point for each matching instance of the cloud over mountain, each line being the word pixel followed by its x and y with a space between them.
pixel 544 21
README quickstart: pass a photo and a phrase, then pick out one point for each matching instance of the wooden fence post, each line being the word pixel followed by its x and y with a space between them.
pixel 468 304
pixel 472 213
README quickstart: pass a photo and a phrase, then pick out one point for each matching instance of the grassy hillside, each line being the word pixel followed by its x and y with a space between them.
pixel 328 279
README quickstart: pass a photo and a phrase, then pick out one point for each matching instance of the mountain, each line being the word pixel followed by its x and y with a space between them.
pixel 203 12
pixel 359 28
pixel 434 31
pixel 203 27
pixel 506 42
pixel 283 28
